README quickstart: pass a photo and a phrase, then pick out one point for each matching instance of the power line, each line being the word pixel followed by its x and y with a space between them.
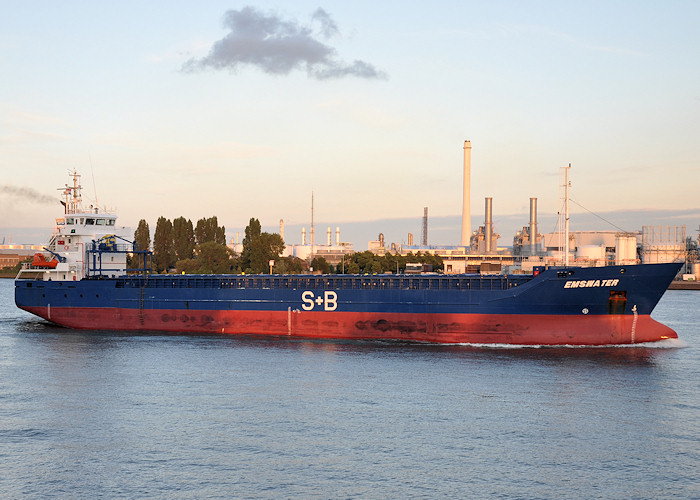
pixel 601 218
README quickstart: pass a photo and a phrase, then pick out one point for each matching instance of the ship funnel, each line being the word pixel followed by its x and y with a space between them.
pixel 488 224
pixel 466 195
pixel 533 226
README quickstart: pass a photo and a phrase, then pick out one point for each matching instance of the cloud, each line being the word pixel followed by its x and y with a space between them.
pixel 278 46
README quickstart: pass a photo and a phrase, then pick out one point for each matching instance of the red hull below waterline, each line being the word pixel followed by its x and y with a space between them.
pixel 519 329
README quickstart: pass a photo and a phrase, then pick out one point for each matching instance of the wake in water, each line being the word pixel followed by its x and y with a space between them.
pixel 660 344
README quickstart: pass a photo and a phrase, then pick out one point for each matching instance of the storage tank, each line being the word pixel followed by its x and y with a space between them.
pixel 625 249
pixel 592 253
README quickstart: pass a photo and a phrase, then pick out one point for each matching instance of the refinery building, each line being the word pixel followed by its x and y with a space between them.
pixel 479 250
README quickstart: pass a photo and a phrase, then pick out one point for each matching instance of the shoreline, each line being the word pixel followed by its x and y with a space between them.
pixel 684 285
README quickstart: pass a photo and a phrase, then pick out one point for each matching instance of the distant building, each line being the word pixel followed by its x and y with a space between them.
pixel 523 244
pixel 663 244
pixel 478 243
pixel 10 259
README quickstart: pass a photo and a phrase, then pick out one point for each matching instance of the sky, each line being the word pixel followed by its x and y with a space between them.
pixel 242 109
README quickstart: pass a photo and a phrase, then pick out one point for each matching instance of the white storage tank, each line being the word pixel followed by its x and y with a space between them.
pixel 593 253
pixel 625 249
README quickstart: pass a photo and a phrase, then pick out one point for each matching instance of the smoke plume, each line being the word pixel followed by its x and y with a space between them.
pixel 278 46
pixel 27 194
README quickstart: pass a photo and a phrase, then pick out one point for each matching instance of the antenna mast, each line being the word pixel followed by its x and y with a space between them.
pixel 567 185
pixel 94 188
pixel 72 195
pixel 312 223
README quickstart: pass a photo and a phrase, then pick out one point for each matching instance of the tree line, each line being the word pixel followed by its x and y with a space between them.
pixel 179 246
pixel 368 263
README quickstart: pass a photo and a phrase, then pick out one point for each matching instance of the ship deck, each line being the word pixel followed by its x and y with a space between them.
pixel 293 282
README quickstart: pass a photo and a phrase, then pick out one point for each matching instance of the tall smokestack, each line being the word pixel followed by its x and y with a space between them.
pixel 466 195
pixel 337 235
pixel 533 226
pixel 312 222
pixel 303 236
pixel 488 224
pixel 328 236
pixel 282 229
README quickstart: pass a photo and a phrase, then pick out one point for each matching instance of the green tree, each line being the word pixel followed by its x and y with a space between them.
pixel 142 240
pixel 183 238
pixel 215 258
pixel 289 265
pixel 142 236
pixel 187 266
pixel 259 248
pixel 368 263
pixel 321 264
pixel 209 230
pixel 253 230
pixel 163 245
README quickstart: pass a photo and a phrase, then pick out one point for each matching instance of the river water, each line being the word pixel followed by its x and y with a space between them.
pixel 87 414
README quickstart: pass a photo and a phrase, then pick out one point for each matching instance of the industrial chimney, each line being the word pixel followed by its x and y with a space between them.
pixel 337 235
pixel 282 229
pixel 466 195
pixel 303 236
pixel 328 236
pixel 533 226
pixel 488 224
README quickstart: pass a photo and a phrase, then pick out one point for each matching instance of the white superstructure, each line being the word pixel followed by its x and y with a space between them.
pixel 85 242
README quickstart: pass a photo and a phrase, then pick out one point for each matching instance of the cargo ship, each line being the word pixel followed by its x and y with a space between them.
pixel 81 281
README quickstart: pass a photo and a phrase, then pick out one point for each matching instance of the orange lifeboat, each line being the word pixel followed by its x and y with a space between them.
pixel 40 261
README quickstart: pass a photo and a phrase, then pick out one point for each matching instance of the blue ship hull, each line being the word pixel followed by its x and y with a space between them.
pixel 580 306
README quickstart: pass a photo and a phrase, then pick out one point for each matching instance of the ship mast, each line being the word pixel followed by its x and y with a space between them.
pixel 567 185
pixel 312 224
pixel 72 195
